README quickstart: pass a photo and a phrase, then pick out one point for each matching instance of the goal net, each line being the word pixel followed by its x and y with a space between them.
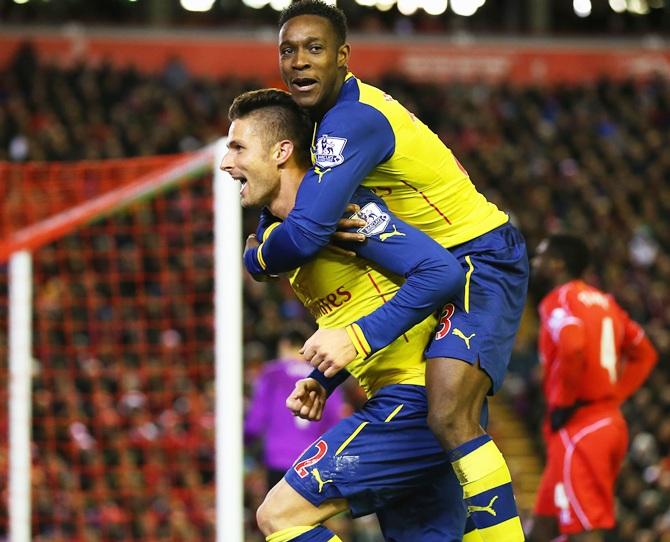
pixel 114 341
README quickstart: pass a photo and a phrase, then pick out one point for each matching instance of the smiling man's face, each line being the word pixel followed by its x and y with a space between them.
pixel 249 160
pixel 311 61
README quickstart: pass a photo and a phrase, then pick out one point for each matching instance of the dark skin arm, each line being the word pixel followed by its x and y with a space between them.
pixel 344 236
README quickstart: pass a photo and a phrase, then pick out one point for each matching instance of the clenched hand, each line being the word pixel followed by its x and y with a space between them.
pixel 329 350
pixel 307 400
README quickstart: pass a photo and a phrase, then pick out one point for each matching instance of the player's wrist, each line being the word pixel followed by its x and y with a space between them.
pixel 329 384
pixel 321 387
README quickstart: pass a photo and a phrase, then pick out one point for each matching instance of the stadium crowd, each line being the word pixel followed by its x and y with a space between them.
pixel 591 159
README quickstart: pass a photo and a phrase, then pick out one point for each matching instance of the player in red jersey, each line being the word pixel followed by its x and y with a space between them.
pixel 594 357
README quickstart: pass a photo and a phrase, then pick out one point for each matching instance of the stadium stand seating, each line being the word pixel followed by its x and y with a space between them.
pixel 592 159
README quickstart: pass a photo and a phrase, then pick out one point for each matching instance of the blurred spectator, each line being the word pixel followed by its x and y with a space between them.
pixel 86 112
pixel 284 436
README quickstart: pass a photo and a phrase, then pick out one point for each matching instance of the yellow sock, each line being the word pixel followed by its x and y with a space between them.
pixel 487 490
pixel 314 533
pixel 287 534
pixel 472 536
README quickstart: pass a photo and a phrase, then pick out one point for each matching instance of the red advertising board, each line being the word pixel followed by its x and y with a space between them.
pixel 216 55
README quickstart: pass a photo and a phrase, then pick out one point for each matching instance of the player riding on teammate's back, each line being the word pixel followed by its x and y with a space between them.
pixel 362 136
pixel 384 458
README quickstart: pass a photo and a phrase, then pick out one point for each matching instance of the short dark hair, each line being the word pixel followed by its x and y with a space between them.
pixel 571 250
pixel 335 16
pixel 296 333
pixel 282 118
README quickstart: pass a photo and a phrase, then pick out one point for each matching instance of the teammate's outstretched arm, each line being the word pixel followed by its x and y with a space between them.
pixel 326 189
pixel 433 276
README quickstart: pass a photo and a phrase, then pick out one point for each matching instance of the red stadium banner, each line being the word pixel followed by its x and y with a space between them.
pixel 216 55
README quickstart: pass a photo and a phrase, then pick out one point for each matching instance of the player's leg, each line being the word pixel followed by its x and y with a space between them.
pixel 543 529
pixel 469 354
pixel 295 507
pixel 467 359
pixel 381 453
pixel 544 524
pixel 487 489
pixel 456 393
pixel 286 515
pixel 436 513
pixel 593 444
pixel 470 351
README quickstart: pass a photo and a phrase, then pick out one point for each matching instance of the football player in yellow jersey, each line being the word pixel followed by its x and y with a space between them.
pixel 383 459
pixel 364 137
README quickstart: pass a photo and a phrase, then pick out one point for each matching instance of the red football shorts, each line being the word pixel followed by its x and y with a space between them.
pixel 583 461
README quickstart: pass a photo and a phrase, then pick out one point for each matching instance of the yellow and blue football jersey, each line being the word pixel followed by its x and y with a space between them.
pixel 401 275
pixel 370 139
pixel 337 293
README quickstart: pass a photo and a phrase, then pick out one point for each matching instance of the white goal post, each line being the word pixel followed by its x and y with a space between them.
pixel 227 297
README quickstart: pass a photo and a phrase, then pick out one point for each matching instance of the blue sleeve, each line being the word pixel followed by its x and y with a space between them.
pixel 329 383
pixel 433 275
pixel 351 141
pixel 265 221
